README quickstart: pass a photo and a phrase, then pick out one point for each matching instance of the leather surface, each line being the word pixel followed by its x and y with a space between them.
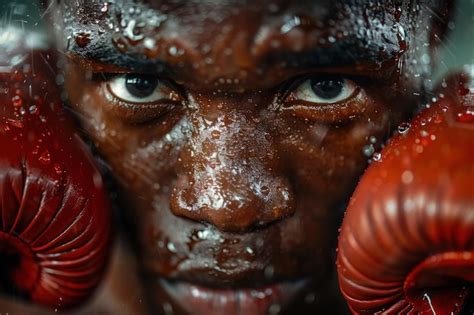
pixel 55 217
pixel 407 240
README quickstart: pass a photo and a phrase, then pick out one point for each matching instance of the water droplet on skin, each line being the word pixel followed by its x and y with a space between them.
pixel 425 59
pixel 215 134
pixel 82 39
pixel 402 39
pixel 269 272
pixel 175 51
pixel 59 79
pixel 149 43
pixel 264 190
pixel 368 150
pixel 462 90
pixel 133 32
pixel 120 44
pixel 105 7
pixel 171 247
pixel 295 21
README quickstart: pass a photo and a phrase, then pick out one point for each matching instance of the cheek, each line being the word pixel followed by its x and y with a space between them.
pixel 324 161
pixel 137 154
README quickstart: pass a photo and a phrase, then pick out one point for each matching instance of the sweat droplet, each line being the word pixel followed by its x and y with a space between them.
pixel 105 7
pixel 120 44
pixel 175 51
pixel 149 43
pixel 295 21
pixel 171 247
pixel 265 190
pixel 215 134
pixel 133 32
pixel 82 39
pixel 368 150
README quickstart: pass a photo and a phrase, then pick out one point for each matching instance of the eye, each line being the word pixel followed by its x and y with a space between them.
pixel 139 98
pixel 141 89
pixel 320 91
pixel 331 99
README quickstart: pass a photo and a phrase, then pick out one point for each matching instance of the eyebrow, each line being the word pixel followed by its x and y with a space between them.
pixel 341 53
pixel 104 53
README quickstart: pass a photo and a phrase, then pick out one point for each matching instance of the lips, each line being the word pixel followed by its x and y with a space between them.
pixel 200 300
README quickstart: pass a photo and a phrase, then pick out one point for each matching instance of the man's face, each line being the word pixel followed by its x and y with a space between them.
pixel 236 131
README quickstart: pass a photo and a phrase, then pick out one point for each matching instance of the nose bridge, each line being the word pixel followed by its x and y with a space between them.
pixel 228 176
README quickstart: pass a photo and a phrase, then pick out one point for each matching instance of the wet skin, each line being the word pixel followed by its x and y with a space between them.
pixel 236 133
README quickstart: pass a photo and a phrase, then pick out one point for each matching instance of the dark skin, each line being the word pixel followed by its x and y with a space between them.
pixel 239 133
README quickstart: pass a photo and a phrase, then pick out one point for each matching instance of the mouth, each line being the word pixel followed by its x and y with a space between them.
pixel 201 300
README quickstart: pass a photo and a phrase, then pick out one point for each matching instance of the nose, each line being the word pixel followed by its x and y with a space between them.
pixel 229 175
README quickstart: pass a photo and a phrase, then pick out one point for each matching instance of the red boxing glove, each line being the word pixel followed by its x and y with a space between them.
pixel 406 244
pixel 55 216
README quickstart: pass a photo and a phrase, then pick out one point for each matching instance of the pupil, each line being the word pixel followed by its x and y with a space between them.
pixel 140 86
pixel 327 88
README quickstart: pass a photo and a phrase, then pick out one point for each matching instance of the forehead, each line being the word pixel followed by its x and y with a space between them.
pixel 227 38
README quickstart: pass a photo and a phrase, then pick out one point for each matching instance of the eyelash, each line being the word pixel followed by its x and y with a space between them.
pixel 104 77
pixel 133 113
pixel 296 108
